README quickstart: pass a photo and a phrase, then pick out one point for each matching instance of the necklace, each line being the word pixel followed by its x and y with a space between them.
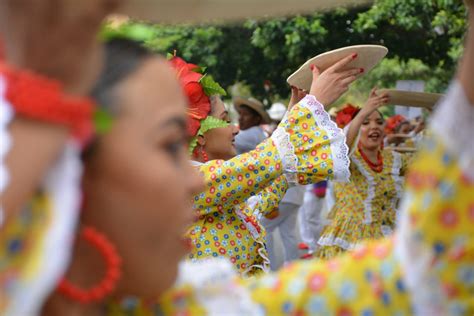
pixel 378 166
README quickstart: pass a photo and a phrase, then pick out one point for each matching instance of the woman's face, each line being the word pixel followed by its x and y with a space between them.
pixel 371 131
pixel 219 143
pixel 405 128
pixel 138 184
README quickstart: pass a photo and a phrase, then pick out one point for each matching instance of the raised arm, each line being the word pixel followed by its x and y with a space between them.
pixel 373 103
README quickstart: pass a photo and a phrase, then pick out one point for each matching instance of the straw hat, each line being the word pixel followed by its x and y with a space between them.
pixel 277 111
pixel 411 98
pixel 368 57
pixel 171 11
pixel 255 105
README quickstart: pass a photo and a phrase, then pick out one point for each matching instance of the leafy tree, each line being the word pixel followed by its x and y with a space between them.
pixel 424 38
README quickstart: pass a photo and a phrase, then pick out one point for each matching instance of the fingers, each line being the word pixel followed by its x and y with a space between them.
pixel 342 63
pixel 315 71
pixel 351 72
pixel 373 92
pixel 348 80
pixel 381 100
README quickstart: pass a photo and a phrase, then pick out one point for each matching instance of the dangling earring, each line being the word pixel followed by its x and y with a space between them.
pixel 204 155
pixel 112 274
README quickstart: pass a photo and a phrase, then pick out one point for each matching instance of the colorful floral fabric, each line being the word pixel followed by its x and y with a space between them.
pixel 306 147
pixel 365 208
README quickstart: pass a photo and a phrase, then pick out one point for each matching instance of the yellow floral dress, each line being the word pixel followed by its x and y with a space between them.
pixel 364 208
pixel 426 268
pixel 306 147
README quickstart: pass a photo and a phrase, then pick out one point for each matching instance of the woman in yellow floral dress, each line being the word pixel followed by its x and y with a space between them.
pixel 306 147
pixel 365 207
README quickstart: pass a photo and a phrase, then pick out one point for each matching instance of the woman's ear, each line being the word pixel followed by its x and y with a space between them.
pixel 201 140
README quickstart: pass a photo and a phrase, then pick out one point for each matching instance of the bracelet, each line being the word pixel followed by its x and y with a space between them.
pixel 41 98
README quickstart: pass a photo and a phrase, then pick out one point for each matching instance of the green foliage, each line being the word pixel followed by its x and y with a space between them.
pixel 211 87
pixel 424 38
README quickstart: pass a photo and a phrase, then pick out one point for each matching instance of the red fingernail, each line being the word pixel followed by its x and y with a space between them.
pixel 361 70
pixel 354 56
pixel 311 67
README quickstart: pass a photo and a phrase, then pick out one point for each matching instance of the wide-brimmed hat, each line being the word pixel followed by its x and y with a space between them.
pixel 171 11
pixel 411 98
pixel 255 105
pixel 368 57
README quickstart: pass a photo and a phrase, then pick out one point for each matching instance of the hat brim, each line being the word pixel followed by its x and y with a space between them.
pixel 368 57
pixel 172 11
pixel 411 98
pixel 238 102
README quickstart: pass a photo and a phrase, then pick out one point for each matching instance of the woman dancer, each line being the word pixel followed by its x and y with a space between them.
pixel 365 207
pixel 242 189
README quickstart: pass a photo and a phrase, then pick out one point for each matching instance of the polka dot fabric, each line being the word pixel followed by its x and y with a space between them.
pixel 240 190
pixel 365 208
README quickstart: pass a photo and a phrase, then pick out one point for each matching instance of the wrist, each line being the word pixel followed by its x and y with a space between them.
pixel 40 98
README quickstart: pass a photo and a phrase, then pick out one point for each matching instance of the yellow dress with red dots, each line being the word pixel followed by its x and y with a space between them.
pixel 306 147
pixel 425 268
pixel 365 207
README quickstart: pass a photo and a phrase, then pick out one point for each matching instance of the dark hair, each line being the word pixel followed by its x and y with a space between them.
pixel 122 58
pixel 399 126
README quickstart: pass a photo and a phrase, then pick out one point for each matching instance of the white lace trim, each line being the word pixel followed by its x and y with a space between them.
pixel 370 190
pixel 331 241
pixel 62 185
pixel 213 281
pixel 339 149
pixel 251 204
pixel 397 179
pixel 453 122
pixel 6 116
pixel 286 150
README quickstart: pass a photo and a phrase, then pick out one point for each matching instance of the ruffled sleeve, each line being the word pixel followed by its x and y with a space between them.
pixel 306 147
pixel 312 147
pixel 262 204
pixel 435 242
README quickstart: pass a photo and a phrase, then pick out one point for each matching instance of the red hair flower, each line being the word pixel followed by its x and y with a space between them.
pixel 199 104
pixel 393 122
pixel 346 114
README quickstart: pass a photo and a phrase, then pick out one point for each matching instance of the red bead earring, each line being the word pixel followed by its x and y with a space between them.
pixel 204 155
pixel 112 275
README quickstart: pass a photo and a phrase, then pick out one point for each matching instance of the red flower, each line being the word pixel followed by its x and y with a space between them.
pixel 393 122
pixel 199 105
pixel 345 116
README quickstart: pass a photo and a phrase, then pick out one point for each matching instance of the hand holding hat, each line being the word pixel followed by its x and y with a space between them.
pixel 329 85
pixel 376 100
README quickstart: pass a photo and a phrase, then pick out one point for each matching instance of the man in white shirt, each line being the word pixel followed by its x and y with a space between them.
pixel 251 115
